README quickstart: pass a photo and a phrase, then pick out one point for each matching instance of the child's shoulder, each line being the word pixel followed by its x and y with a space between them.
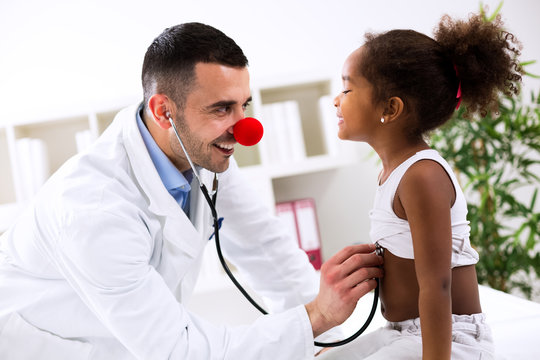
pixel 427 177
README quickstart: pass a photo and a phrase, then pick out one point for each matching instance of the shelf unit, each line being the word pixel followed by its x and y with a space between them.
pixel 323 150
pixel 58 136
pixel 308 176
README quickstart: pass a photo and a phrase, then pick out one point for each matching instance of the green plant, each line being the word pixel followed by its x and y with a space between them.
pixel 494 157
pixel 497 158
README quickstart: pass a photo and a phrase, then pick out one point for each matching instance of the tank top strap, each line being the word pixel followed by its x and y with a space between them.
pixel 390 185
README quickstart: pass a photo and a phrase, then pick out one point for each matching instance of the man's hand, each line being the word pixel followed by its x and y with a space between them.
pixel 345 278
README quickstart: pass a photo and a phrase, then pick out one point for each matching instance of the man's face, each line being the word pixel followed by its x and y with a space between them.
pixel 205 124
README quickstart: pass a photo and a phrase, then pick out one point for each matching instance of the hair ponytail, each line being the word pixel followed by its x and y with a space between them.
pixel 485 56
pixel 477 57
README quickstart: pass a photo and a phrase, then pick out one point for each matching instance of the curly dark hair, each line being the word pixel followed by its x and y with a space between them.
pixel 425 73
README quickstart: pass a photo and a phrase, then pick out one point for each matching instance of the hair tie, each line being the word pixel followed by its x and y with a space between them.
pixel 458 96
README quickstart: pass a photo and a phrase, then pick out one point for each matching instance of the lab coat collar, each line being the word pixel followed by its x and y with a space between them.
pixel 177 226
pixel 161 202
pixel 171 177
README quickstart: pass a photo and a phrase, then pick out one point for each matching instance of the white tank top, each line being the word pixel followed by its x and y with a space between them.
pixel 394 234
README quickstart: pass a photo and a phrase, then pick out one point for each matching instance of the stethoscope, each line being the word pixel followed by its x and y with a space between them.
pixel 211 198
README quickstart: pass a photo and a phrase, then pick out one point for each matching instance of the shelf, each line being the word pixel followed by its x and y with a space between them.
pixel 21 125
pixel 309 165
pixel 57 135
pixel 301 126
pixel 306 96
pixel 294 80
pixel 7 193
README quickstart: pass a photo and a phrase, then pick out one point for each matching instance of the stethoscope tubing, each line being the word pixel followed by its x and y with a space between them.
pixel 212 204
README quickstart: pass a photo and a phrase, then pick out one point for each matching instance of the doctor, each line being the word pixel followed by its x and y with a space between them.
pixel 102 263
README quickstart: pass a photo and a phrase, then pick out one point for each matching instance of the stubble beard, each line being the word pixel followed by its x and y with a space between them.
pixel 200 154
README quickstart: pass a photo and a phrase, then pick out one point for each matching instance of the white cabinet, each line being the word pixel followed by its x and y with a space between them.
pixel 55 140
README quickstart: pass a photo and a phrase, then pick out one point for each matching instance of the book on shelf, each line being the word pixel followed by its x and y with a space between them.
pixel 283 139
pixel 33 164
pixel 300 218
pixel 329 124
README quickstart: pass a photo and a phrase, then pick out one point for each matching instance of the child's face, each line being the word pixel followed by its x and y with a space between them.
pixel 358 118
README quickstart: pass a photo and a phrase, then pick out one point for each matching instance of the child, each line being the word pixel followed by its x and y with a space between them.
pixel 396 87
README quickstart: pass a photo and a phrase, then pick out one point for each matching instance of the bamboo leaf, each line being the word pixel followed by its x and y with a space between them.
pixel 526 63
pixel 531 239
pixel 534 76
pixel 533 200
pixel 496 12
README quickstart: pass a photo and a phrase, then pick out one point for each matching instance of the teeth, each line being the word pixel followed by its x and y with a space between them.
pixel 226 146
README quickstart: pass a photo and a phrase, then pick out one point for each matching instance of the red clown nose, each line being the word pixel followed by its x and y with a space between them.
pixel 248 131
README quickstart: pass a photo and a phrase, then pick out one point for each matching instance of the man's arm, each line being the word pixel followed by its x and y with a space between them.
pixel 109 270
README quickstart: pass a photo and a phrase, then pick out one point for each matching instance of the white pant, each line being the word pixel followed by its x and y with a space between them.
pixel 471 339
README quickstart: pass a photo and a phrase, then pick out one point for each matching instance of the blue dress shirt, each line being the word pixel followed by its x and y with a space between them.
pixel 176 183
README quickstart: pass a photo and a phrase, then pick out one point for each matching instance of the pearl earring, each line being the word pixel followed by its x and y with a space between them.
pixel 382 120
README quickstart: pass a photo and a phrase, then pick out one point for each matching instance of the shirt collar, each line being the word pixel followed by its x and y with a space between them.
pixel 171 177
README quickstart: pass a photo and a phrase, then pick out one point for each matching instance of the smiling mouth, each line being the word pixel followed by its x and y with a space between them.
pixel 339 118
pixel 227 149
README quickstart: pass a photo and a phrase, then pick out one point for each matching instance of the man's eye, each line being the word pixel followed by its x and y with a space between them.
pixel 245 106
pixel 223 109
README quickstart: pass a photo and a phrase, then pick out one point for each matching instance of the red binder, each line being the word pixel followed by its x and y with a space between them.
pixel 300 217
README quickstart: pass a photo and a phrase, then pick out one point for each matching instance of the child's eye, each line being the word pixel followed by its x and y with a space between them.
pixel 345 92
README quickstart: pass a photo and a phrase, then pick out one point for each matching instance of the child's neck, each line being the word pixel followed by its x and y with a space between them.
pixel 393 153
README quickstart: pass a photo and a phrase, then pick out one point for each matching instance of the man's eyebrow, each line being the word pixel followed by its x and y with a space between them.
pixel 225 103
pixel 222 103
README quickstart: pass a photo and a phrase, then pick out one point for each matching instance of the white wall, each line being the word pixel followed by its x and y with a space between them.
pixel 68 56
pixel 73 54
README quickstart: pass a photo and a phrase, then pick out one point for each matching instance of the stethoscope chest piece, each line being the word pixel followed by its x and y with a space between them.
pixel 379 250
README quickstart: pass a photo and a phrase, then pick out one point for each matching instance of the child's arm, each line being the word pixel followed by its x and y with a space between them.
pixel 426 195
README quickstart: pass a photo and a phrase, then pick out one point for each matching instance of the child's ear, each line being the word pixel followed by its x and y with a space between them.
pixel 393 109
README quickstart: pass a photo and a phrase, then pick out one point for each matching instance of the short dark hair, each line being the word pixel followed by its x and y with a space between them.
pixel 425 73
pixel 169 62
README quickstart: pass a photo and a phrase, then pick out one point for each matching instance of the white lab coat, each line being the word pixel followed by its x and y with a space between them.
pixel 102 263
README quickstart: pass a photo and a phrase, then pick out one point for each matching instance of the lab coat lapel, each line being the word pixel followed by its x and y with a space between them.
pixel 144 170
pixel 200 213
pixel 182 242
pixel 182 246
pixel 200 227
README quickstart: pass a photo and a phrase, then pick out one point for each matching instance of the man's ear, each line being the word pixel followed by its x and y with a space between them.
pixel 161 109
pixel 393 109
